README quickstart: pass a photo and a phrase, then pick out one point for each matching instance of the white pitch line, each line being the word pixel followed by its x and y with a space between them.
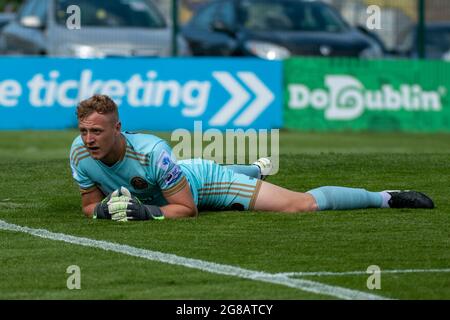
pixel 352 273
pixel 211 267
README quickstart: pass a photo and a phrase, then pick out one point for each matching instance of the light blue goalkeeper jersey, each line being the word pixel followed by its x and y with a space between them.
pixel 151 173
pixel 147 169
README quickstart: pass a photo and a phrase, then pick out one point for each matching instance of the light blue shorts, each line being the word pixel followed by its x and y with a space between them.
pixel 216 187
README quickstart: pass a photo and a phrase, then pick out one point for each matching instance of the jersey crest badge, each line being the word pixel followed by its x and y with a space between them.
pixel 139 183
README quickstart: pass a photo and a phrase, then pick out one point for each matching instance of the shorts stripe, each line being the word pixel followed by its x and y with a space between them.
pixel 255 195
pixel 229 183
pixel 201 196
pixel 225 189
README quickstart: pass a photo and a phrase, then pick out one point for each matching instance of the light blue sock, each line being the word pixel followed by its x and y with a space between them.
pixel 340 198
pixel 249 170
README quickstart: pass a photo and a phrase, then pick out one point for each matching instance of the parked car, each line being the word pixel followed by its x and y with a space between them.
pixel 107 28
pixel 5 18
pixel 437 41
pixel 275 30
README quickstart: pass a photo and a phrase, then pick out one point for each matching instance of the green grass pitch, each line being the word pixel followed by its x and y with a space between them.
pixel 37 191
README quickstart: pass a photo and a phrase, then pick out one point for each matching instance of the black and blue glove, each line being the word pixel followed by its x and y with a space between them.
pixel 122 206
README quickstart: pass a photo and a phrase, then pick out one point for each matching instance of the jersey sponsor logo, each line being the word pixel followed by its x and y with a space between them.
pixel 173 175
pixel 139 183
pixel 164 160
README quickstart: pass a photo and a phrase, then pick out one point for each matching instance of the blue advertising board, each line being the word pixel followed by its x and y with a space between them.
pixel 152 94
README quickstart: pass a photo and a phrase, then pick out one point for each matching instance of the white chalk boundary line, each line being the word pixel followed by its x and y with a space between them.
pixel 304 285
pixel 353 273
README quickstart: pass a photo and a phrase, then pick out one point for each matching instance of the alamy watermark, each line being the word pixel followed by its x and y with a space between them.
pixel 374 20
pixel 73 22
pixel 232 146
pixel 374 280
pixel 74 280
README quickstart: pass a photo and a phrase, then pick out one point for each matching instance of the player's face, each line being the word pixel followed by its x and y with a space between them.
pixel 101 134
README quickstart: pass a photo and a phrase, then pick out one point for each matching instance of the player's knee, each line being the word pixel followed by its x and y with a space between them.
pixel 302 203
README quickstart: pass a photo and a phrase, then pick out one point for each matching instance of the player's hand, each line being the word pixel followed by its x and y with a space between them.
pixel 101 210
pixel 123 207
pixel 118 204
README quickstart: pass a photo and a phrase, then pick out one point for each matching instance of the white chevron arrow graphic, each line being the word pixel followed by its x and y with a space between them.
pixel 239 98
pixel 264 97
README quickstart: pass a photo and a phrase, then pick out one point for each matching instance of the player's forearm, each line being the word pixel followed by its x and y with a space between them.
pixel 173 211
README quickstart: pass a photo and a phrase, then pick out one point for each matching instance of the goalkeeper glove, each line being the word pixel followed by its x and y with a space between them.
pixel 125 207
pixel 101 209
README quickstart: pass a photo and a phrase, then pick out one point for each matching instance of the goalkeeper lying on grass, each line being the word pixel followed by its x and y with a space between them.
pixel 125 176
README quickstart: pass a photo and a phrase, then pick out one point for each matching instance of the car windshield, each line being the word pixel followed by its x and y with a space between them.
pixel 265 15
pixel 112 13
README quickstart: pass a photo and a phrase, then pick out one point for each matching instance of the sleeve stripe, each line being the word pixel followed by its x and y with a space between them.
pixel 175 189
pixel 81 158
pixel 88 190
pixel 79 155
pixel 141 160
pixel 144 164
pixel 76 151
pixel 130 149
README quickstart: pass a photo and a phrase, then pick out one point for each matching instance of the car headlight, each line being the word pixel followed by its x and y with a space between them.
pixel 372 52
pixel 267 50
pixel 81 51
